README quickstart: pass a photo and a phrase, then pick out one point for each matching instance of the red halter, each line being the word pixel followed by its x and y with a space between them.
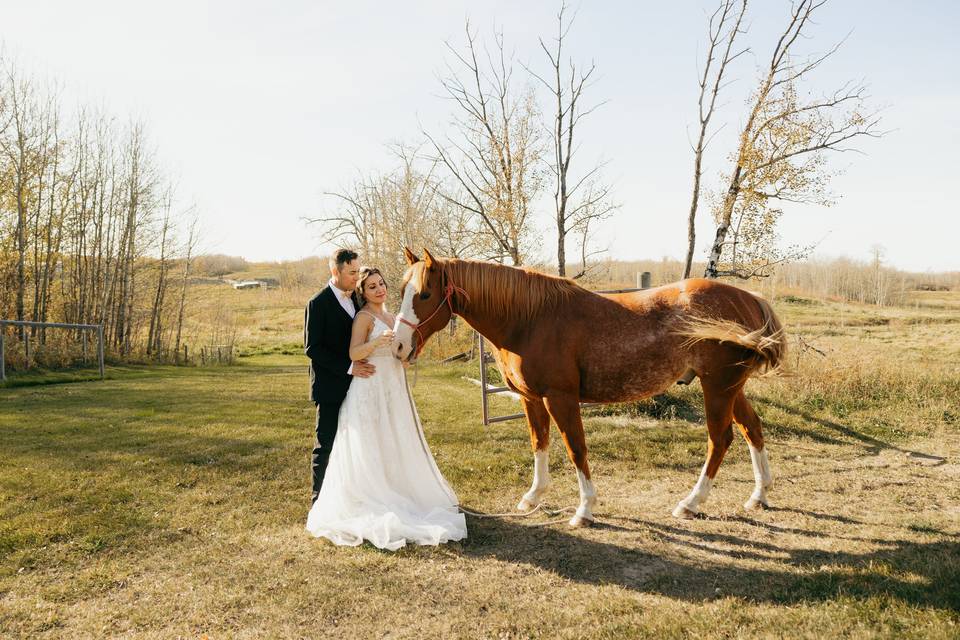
pixel 449 290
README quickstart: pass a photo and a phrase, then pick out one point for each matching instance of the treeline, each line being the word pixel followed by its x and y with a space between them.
pixel 864 281
pixel 88 231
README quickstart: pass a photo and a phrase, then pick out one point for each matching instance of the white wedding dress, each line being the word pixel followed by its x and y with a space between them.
pixel 382 483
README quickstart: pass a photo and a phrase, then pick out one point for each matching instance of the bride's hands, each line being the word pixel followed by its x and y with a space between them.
pixel 384 339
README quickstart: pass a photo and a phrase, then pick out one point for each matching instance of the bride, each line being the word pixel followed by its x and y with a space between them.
pixel 382 484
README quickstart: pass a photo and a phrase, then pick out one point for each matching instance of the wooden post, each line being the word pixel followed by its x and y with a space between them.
pixel 186 359
pixel 83 342
pixel 203 356
pixel 483 380
pixel 100 348
pixel 26 346
pixel 219 355
pixel 3 370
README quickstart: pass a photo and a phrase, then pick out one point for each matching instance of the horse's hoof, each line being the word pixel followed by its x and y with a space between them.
pixel 525 505
pixel 755 504
pixel 581 521
pixel 684 513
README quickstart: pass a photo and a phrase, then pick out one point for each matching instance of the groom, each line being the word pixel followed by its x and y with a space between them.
pixel 327 325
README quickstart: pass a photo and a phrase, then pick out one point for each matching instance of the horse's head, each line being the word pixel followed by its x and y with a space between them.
pixel 426 306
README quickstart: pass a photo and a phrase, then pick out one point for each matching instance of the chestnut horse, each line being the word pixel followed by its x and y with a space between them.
pixel 559 345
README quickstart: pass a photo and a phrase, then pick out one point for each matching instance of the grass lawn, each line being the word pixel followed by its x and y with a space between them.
pixel 170 502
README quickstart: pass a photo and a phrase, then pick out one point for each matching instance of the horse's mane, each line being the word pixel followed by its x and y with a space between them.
pixel 514 293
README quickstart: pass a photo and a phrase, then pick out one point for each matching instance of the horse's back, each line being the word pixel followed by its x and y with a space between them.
pixel 698 295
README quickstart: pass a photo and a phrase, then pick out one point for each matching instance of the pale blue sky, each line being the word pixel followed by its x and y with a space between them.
pixel 257 108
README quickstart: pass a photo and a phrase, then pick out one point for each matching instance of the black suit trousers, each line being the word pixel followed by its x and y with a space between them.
pixel 327 414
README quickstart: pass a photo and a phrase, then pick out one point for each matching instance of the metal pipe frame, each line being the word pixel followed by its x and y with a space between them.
pixel 56 325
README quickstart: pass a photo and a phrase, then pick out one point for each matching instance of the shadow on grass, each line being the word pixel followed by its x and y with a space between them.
pixel 872 444
pixel 923 574
pixel 665 406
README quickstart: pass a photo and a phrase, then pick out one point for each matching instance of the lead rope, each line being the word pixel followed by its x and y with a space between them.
pixel 553 513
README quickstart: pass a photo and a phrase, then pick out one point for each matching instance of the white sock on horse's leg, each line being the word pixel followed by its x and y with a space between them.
pixel 588 498
pixel 690 505
pixel 541 480
pixel 762 478
pixel 767 474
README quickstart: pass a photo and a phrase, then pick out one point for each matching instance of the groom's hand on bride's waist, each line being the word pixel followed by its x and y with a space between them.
pixel 363 369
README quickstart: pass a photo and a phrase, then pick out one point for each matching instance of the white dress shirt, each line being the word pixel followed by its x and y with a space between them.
pixel 345 298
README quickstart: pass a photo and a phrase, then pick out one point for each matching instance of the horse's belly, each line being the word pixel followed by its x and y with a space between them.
pixel 633 379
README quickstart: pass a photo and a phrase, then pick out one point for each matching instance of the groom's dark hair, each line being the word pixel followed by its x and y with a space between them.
pixel 342 257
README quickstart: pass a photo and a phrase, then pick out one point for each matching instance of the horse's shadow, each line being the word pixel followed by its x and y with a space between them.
pixel 916 573
pixel 871 444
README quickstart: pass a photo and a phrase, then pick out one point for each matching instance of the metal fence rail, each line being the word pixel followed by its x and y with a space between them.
pixel 643 280
pixel 54 325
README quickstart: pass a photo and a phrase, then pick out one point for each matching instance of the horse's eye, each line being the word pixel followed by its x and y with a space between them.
pixel 424 295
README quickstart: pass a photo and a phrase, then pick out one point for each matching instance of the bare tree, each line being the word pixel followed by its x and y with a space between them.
pixel 722 31
pixel 380 214
pixel 356 218
pixel 51 206
pixel 138 184
pixel 154 341
pixel 782 146
pixel 577 202
pixel 455 229
pixel 493 151
pixel 189 248
pixel 21 145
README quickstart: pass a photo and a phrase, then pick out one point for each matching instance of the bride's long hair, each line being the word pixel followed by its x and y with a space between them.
pixel 366 272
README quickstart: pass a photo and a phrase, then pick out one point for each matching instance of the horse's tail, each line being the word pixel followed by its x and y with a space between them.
pixel 768 342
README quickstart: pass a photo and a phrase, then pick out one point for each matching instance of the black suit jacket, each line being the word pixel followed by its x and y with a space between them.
pixel 326 341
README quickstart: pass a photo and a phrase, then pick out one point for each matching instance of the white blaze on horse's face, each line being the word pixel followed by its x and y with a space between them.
pixel 404 332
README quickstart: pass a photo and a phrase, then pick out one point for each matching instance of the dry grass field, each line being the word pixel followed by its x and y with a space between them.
pixel 169 502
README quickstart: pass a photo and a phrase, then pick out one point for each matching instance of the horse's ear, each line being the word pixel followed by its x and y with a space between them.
pixel 412 258
pixel 428 258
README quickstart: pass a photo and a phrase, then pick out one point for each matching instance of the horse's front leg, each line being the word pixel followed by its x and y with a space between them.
pixel 565 410
pixel 539 422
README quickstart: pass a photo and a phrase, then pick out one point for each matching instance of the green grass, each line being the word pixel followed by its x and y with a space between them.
pixel 168 501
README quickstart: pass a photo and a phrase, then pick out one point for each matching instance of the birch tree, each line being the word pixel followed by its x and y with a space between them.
pixel 723 28
pixel 782 148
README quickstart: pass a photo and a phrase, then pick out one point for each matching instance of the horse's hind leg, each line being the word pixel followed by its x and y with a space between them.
pixel 565 410
pixel 752 430
pixel 718 402
pixel 539 422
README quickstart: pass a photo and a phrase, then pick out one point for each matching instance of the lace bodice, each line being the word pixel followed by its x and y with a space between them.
pixel 379 326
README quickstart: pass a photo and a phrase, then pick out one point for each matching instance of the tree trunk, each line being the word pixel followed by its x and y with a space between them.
pixel 724 225
pixel 691 220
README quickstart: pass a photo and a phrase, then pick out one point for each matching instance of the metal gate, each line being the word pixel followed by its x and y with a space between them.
pixel 55 325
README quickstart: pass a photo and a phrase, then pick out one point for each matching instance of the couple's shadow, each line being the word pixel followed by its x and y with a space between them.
pixel 925 574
